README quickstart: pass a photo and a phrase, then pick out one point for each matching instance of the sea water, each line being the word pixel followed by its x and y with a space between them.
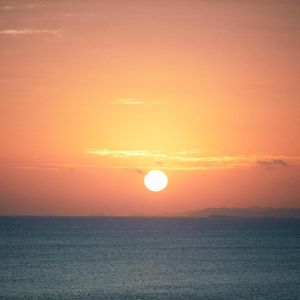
pixel 149 258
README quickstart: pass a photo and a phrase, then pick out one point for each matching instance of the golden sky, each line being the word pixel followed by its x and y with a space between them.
pixel 96 93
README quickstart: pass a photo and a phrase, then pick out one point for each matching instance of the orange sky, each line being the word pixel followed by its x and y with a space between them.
pixel 96 93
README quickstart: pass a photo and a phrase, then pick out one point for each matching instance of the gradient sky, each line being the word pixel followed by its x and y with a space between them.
pixel 96 93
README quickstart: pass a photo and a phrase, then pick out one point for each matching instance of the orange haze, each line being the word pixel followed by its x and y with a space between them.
pixel 96 93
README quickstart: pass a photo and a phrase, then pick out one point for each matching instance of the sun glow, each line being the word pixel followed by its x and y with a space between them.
pixel 156 181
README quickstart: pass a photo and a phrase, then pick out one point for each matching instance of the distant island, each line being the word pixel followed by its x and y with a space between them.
pixel 223 212
pixel 254 212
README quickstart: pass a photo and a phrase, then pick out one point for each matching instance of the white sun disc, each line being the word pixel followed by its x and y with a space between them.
pixel 156 180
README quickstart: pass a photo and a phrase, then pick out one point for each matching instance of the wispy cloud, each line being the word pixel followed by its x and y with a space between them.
pixel 141 160
pixel 7 7
pixel 78 15
pixel 17 7
pixel 28 31
pixel 180 160
pixel 272 163
pixel 131 101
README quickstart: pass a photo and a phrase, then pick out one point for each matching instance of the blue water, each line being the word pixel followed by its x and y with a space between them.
pixel 149 258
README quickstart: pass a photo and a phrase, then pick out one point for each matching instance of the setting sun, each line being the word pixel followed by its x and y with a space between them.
pixel 156 181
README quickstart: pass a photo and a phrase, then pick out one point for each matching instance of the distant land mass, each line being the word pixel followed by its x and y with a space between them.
pixel 225 212
pixel 253 212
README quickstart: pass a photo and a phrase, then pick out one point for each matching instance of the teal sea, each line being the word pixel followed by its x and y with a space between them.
pixel 149 258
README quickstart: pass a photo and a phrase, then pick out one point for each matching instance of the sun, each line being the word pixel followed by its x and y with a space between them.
pixel 156 180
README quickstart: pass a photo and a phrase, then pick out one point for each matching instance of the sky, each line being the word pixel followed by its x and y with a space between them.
pixel 94 94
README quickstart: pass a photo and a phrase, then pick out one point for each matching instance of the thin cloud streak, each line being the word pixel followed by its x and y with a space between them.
pixel 28 31
pixel 142 160
pixel 205 163
pixel 273 163
pixel 184 160
pixel 130 101
pixel 11 7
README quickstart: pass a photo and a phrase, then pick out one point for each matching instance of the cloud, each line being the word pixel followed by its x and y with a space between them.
pixel 34 167
pixel 182 160
pixel 78 15
pixel 12 7
pixel 7 7
pixel 272 163
pixel 128 102
pixel 28 31
pixel 131 101
pixel 140 161
pixel 139 171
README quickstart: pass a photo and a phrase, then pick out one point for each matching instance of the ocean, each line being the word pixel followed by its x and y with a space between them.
pixel 149 258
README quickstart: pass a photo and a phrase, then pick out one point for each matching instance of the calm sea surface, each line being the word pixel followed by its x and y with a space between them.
pixel 149 258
